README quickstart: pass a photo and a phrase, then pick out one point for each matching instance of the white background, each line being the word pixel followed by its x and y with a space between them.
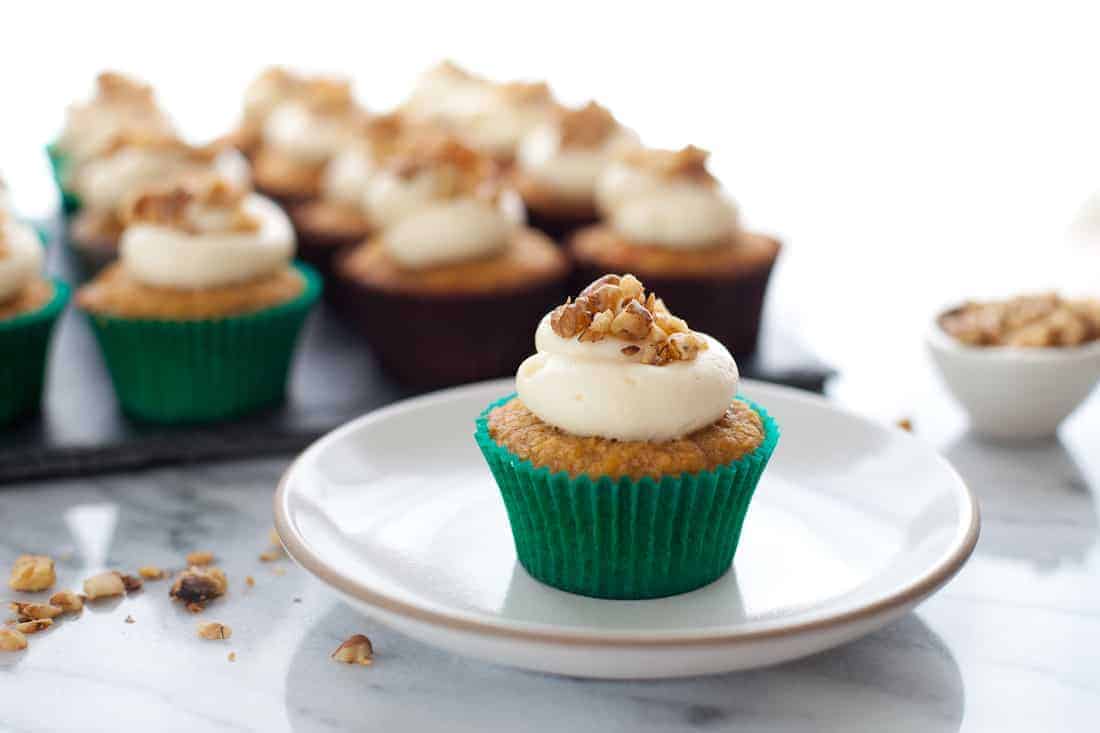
pixel 907 153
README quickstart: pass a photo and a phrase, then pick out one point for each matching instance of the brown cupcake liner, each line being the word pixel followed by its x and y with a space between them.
pixel 559 226
pixel 319 247
pixel 728 307
pixel 428 340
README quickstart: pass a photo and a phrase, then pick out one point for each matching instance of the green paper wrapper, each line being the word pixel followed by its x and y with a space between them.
pixel 203 370
pixel 59 163
pixel 24 344
pixel 623 538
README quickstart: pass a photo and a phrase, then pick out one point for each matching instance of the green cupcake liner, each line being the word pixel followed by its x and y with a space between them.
pixel 623 538
pixel 24 345
pixel 203 370
pixel 59 165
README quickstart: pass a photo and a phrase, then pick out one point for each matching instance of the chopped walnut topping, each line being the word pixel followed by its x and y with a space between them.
pixel 104 585
pixel 525 92
pixel 194 204
pixel 461 169
pixel 33 626
pixel 586 127
pixel 270 555
pixel 31 611
pixel 232 656
pixel 114 86
pixel 12 640
pixel 131 582
pixel 688 163
pixel 202 557
pixel 356 649
pixel 905 424
pixel 1029 321
pixel 324 95
pixel 151 572
pixel 67 601
pixel 129 619
pixel 32 573
pixel 617 306
pixel 195 586
pixel 250 581
pixel 213 630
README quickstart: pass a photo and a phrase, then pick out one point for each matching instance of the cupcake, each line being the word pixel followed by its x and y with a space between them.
pixel 490 117
pixel 559 162
pixel 444 292
pixel 666 219
pixel 626 461
pixel 29 307
pixel 300 135
pixel 273 87
pixel 337 218
pixel 134 161
pixel 121 105
pixel 198 319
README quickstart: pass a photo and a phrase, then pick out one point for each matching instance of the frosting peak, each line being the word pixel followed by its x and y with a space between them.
pixel 616 363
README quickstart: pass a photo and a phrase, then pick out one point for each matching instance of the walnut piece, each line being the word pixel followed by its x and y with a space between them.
pixel 617 306
pixel 586 127
pixel 197 585
pixel 213 630
pixel 151 572
pixel 201 557
pixel 356 649
pixel 104 585
pixel 31 611
pixel 32 573
pixel 67 601
pixel 33 626
pixel 687 164
pixel 12 640
pixel 1028 321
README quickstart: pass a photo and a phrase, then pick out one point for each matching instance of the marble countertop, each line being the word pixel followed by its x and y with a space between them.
pixel 1012 643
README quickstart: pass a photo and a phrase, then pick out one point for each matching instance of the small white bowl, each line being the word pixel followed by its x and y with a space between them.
pixel 1015 393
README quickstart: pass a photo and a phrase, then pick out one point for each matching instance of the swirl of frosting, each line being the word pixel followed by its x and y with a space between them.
pixel 105 182
pixel 446 232
pixel 347 175
pixel 510 112
pixel 20 256
pixel 203 238
pixel 667 198
pixel 570 152
pixel 613 387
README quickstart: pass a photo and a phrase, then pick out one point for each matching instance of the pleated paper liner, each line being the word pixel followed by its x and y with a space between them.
pixel 204 370
pixel 24 345
pixel 59 163
pixel 616 537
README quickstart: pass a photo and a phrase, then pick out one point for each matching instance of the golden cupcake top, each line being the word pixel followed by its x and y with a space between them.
pixel 617 307
pixel 1026 321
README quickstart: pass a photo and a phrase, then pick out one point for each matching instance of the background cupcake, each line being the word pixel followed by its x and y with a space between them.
pixel 667 220
pixel 29 307
pixel 301 134
pixel 626 462
pixel 199 318
pixel 274 86
pixel 130 163
pixel 560 161
pixel 121 106
pixel 445 290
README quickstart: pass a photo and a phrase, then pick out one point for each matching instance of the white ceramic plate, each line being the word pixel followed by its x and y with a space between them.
pixel 852 525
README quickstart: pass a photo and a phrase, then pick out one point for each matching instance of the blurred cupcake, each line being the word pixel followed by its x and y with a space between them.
pixel 29 307
pixel 445 291
pixel 199 318
pixel 134 161
pixel 299 137
pixel 121 106
pixel 338 219
pixel 488 116
pixel 559 162
pixel 667 220
pixel 627 461
pixel 273 87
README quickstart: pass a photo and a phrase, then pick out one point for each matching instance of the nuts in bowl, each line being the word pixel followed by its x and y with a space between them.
pixel 1019 366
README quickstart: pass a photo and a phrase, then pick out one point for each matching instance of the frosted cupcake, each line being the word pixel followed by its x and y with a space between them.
pixel 627 461
pixel 451 256
pixel 560 161
pixel 29 306
pixel 121 106
pixel 199 317
pixel 132 162
pixel 666 219
pixel 301 135
pixel 272 88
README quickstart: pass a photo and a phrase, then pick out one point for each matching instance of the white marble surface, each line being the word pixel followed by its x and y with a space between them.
pixel 1013 643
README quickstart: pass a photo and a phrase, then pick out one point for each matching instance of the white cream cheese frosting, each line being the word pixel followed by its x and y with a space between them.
pixel 20 256
pixel 665 207
pixel 615 364
pixel 103 183
pixel 448 93
pixel 268 90
pixel 348 174
pixel 306 135
pixel 449 231
pixel 210 252
pixel 509 113
pixel 121 105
